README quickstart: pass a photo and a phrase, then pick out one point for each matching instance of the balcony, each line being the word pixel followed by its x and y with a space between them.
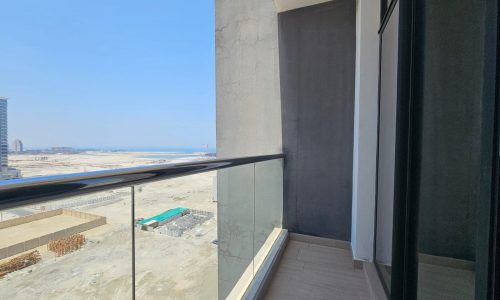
pixel 318 268
pixel 145 233
pixel 387 186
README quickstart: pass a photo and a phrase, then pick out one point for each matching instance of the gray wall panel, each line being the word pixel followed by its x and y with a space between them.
pixel 317 65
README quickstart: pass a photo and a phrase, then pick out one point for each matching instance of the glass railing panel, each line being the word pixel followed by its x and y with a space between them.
pixel 268 207
pixel 176 238
pixel 235 196
pixel 201 236
pixel 74 248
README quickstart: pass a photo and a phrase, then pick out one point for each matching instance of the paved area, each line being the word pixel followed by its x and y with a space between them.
pixel 21 212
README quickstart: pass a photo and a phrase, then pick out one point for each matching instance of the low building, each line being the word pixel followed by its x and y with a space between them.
pixel 9 173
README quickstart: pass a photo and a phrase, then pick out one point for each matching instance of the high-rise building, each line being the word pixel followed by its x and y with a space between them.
pixel 17 146
pixel 5 171
pixel 4 147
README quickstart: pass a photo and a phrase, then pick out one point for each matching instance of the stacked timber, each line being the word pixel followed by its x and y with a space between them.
pixel 67 245
pixel 20 262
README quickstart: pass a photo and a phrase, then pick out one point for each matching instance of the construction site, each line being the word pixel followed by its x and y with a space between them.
pixel 29 232
pixel 59 247
pixel 174 222
pixel 59 230
pixel 95 262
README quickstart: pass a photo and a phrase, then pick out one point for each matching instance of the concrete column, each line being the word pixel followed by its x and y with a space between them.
pixel 248 123
pixel 248 88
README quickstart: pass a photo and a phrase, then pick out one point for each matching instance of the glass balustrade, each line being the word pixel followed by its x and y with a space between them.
pixel 202 236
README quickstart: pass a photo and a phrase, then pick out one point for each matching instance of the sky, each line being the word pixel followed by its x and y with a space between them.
pixel 116 74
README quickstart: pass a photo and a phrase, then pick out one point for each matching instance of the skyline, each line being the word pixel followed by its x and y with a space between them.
pixel 128 69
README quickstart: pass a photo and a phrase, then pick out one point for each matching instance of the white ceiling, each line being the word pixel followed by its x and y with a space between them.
pixel 284 5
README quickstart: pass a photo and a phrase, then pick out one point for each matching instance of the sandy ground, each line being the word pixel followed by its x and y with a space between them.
pixel 10 235
pixel 52 164
pixel 166 267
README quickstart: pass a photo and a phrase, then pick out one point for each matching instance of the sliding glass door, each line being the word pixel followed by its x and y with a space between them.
pixel 453 146
pixel 438 151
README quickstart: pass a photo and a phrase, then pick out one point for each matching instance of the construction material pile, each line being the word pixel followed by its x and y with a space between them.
pixel 67 245
pixel 187 222
pixel 20 262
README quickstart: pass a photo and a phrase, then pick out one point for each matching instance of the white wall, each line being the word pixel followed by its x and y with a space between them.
pixel 365 128
pixel 248 89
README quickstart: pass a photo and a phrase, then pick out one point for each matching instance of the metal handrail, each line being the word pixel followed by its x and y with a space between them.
pixel 29 191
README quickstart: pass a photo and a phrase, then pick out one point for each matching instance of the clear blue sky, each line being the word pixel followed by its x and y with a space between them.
pixel 109 73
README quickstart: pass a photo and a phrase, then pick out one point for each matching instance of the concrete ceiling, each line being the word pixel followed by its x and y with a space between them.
pixel 284 5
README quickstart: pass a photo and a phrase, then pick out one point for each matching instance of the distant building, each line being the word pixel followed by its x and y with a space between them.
pixel 62 150
pixel 4 147
pixel 17 146
pixel 5 171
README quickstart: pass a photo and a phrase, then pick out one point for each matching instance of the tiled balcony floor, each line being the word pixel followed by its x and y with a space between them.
pixel 312 271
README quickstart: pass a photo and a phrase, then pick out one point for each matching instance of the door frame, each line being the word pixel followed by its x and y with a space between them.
pixel 404 259
pixel 387 8
pixel 493 43
pixel 404 249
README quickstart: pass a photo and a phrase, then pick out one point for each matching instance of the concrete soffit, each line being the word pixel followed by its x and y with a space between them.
pixel 284 5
